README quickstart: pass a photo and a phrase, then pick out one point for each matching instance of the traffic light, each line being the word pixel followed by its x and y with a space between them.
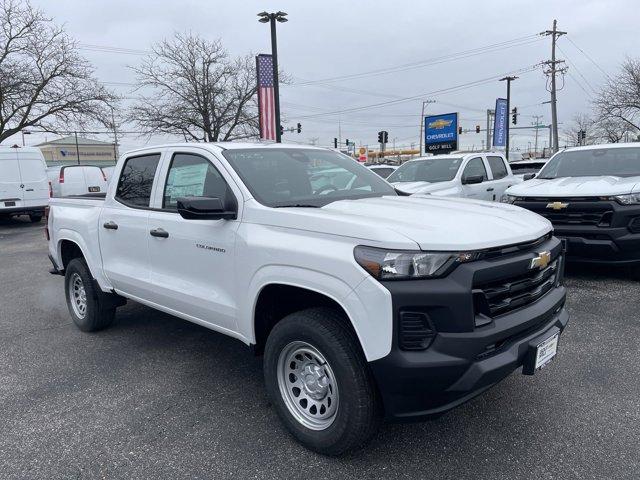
pixel 335 143
pixel 477 128
pixel 583 134
pixel 281 130
pixel 381 137
pixel 346 142
pixel 385 137
pixel 459 130
pixel 299 127
pixel 514 118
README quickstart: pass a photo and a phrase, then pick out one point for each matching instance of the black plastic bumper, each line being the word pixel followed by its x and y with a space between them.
pixel 615 245
pixel 13 211
pixel 613 239
pixel 462 360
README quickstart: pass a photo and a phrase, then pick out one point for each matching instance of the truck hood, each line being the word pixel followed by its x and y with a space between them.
pixel 433 223
pixel 576 187
pixel 422 187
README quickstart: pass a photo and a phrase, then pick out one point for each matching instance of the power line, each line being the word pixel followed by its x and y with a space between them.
pixel 433 61
pixel 575 67
pixel 435 92
pixel 588 57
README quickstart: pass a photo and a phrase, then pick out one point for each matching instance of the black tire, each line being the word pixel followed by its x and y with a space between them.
pixel 35 218
pixel 359 408
pixel 99 309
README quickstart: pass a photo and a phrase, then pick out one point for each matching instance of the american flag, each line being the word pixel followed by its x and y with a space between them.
pixel 266 97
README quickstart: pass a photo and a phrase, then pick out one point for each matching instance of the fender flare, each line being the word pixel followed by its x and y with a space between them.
pixel 96 270
pixel 319 282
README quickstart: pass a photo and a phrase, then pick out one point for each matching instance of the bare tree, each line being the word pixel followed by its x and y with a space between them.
pixel 196 91
pixel 580 122
pixel 43 81
pixel 620 97
pixel 613 129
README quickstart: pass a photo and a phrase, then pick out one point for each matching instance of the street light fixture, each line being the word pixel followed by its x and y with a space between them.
pixel 272 18
pixel 24 132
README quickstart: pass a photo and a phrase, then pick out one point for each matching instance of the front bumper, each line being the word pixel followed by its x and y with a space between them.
pixel 595 230
pixel 468 353
pixel 24 210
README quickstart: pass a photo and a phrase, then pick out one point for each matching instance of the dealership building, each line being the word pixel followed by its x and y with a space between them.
pixel 65 150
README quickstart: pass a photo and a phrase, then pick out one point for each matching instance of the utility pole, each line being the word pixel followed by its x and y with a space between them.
pixel 272 18
pixel 537 124
pixel 115 136
pixel 553 69
pixel 77 148
pixel 424 102
pixel 508 79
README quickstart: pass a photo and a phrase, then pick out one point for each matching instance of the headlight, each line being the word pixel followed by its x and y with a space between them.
pixel 404 264
pixel 507 198
pixel 630 199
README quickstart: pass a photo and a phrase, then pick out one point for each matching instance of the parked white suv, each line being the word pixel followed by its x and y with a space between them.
pixel 365 304
pixel 591 195
pixel 482 176
pixel 24 189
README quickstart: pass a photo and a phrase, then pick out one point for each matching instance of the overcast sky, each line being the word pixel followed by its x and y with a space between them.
pixel 329 39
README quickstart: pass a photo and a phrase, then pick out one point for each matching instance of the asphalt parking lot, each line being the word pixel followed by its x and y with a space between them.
pixel 158 397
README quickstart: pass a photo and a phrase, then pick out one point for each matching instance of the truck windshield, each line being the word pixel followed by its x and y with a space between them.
pixel 428 170
pixel 298 177
pixel 617 162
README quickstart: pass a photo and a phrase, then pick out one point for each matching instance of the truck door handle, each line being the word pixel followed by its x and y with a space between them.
pixel 490 189
pixel 110 225
pixel 159 232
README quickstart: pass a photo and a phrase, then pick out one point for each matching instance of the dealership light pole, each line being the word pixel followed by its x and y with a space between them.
pixel 424 102
pixel 508 79
pixel 272 18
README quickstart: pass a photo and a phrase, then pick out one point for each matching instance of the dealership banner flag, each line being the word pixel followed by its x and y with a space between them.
pixel 266 97
pixel 500 123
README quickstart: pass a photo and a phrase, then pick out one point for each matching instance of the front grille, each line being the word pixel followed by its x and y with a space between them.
pixel 506 295
pixel 579 211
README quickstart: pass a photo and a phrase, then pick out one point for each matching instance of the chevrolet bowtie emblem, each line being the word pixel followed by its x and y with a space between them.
pixel 557 205
pixel 541 261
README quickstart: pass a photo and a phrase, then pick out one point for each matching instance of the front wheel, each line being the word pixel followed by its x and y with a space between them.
pixel 319 382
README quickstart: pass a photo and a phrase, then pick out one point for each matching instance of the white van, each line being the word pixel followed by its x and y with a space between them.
pixel 76 180
pixel 24 189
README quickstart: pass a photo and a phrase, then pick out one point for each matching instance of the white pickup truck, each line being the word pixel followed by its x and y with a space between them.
pixel 482 176
pixel 364 303
pixel 591 195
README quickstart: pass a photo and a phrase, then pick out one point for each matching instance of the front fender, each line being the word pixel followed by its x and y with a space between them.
pixel 368 306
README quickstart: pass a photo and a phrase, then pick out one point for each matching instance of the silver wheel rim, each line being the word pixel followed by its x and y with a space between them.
pixel 78 296
pixel 307 385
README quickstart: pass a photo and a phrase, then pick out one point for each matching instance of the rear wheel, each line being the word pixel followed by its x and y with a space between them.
pixel 319 382
pixel 90 308
pixel 35 218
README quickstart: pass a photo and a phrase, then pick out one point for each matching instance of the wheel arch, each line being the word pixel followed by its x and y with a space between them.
pixel 71 245
pixel 276 300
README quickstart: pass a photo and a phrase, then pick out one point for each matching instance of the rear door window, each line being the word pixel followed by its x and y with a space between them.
pixel 498 167
pixel 136 180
